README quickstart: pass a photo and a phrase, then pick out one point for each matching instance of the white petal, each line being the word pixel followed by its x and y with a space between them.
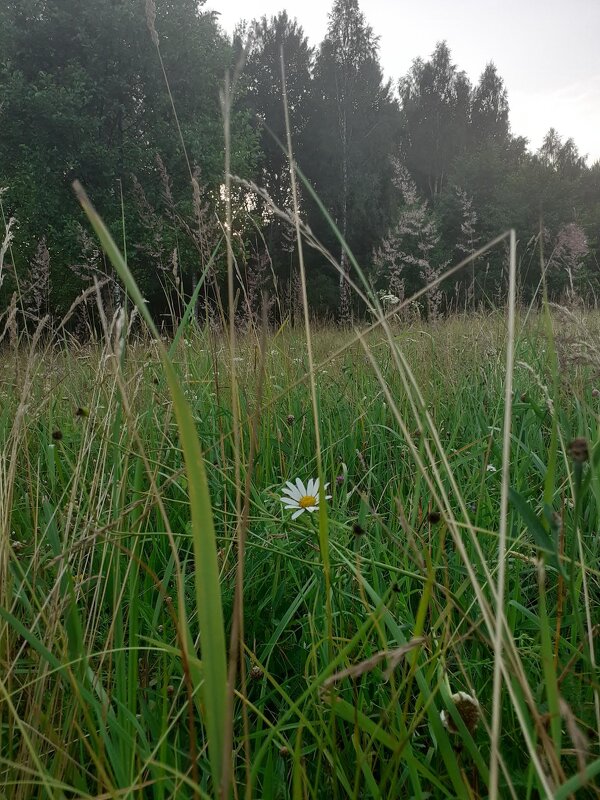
pixel 301 488
pixel 310 486
pixel 296 514
pixel 289 502
pixel 327 497
pixel 325 487
pixel 291 493
pixel 312 508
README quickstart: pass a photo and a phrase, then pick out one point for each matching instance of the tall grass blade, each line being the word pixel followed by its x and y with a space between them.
pixel 206 573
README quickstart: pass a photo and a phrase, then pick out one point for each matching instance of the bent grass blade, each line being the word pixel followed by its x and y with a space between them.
pixel 206 573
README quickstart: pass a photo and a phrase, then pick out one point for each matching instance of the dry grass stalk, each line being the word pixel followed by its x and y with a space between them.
pixel 393 658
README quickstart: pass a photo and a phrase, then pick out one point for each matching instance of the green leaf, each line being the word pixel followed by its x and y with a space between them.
pixel 206 574
pixel 534 525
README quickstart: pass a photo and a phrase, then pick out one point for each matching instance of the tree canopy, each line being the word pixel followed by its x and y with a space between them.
pixel 413 171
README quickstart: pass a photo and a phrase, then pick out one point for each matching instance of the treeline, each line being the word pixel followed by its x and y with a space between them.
pixel 415 174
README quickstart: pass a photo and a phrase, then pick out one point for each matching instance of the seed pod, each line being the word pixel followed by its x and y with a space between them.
pixel 578 450
pixel 468 709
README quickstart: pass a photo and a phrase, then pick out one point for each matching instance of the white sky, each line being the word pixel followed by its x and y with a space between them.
pixel 547 51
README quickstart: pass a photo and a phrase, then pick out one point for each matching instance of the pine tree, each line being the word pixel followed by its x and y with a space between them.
pixel 270 39
pixel 353 131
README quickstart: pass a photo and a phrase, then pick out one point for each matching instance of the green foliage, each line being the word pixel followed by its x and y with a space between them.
pixel 93 592
pixel 84 96
pixel 353 133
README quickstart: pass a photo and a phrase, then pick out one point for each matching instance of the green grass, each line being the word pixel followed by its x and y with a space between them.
pixel 105 631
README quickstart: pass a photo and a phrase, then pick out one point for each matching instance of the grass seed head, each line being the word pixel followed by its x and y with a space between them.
pixel 468 709
pixel 578 450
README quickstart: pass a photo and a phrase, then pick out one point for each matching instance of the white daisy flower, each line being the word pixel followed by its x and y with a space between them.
pixel 302 498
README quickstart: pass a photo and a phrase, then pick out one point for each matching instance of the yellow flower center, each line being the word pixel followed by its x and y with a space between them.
pixel 307 501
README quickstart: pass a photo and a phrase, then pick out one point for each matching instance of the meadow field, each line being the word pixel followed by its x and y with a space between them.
pixel 168 625
pixel 299 481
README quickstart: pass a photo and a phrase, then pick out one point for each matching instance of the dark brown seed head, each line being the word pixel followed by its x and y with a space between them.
pixel 578 450
pixel 57 435
pixel 290 419
pixel 358 530
pixel 434 517
pixel 469 711
pixel 82 412
pixel 256 673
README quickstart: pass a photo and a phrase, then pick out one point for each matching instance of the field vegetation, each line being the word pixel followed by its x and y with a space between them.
pixel 299 481
pixel 356 626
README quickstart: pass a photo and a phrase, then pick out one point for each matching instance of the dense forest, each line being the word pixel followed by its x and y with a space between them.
pixel 416 173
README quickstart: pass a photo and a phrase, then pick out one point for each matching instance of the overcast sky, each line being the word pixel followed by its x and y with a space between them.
pixel 547 51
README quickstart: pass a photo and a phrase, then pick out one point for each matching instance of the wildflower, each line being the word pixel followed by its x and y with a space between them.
pixel 301 497
pixel 578 450
pixel 340 480
pixel 290 419
pixel 468 709
pixel 491 468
